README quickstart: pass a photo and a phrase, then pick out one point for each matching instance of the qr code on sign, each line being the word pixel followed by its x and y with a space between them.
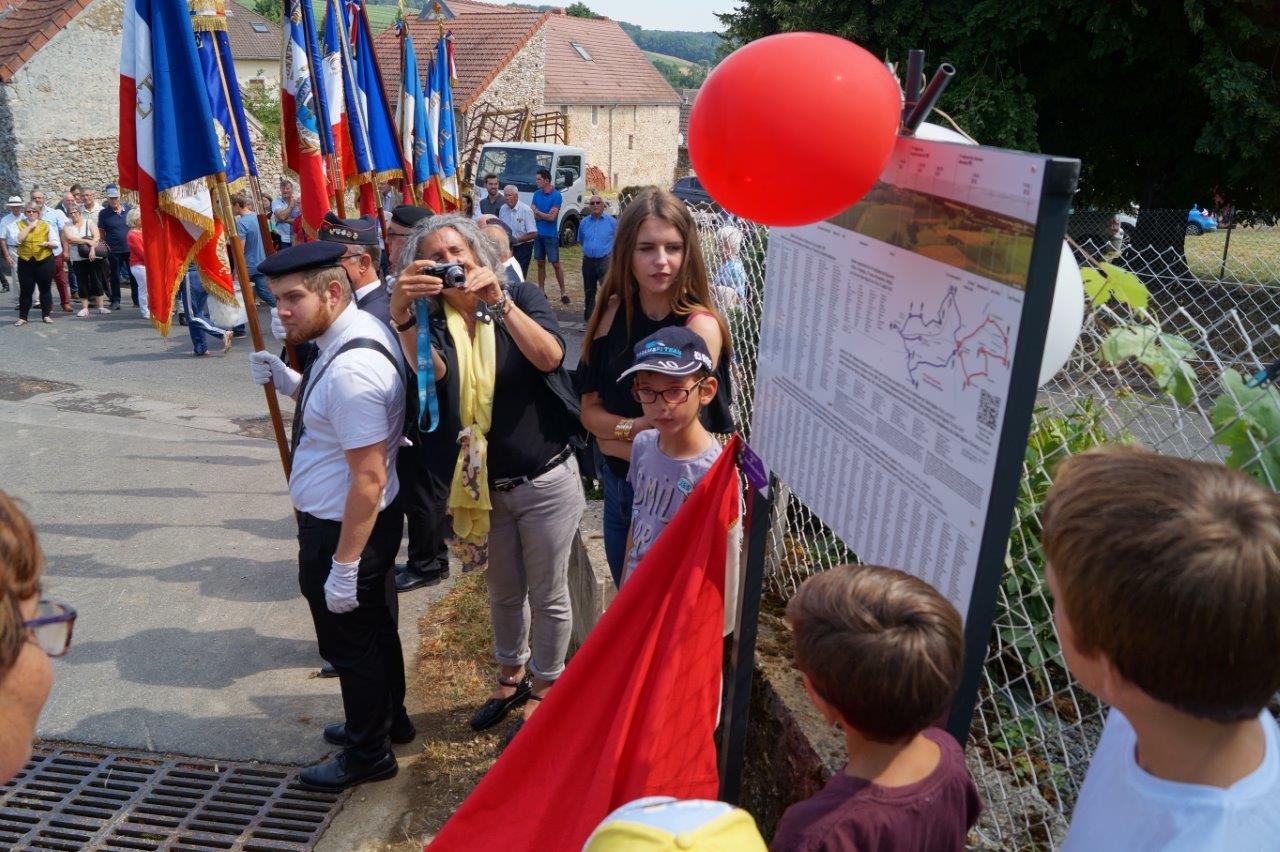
pixel 988 409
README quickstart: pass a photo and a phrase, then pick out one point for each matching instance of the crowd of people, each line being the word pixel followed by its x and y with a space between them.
pixel 463 419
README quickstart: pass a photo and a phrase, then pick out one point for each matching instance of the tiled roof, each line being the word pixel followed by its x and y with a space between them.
pixel 248 43
pixel 466 7
pixel 483 44
pixel 686 107
pixel 618 72
pixel 27 25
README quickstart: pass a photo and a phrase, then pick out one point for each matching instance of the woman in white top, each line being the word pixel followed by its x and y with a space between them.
pixel 81 234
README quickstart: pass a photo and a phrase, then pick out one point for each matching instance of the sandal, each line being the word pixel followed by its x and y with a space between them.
pixel 48 320
pixel 495 710
pixel 564 297
pixel 515 729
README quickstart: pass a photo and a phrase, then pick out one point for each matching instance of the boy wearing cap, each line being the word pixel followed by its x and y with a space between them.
pixel 672 381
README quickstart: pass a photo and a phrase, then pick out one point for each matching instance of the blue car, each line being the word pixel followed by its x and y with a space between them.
pixel 1199 221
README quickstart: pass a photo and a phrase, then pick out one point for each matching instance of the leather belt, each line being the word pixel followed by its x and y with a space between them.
pixel 504 485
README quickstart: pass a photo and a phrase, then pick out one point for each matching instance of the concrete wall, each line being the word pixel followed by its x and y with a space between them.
pixel 59 115
pixel 643 149
pixel 266 70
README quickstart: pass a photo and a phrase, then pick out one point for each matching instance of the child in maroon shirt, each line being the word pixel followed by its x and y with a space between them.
pixel 880 653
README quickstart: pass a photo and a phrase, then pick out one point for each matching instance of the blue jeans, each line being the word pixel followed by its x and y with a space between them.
pixel 618 495
pixel 260 287
pixel 119 274
pixel 195 304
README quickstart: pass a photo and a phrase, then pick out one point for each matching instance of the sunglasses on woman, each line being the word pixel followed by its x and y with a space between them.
pixel 51 628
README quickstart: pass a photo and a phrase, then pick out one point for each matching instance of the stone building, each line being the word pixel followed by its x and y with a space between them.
pixel 619 107
pixel 59 93
pixel 255 48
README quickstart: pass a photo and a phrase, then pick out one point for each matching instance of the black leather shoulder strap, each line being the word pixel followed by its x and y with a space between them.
pixel 353 343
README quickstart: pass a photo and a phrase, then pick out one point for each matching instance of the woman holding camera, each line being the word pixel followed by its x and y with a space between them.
pixel 515 496
pixel 657 278
pixel 81 234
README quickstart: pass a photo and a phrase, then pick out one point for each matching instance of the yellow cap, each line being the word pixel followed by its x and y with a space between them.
pixel 661 823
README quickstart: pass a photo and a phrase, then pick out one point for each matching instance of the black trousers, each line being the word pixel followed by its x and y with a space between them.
pixel 32 275
pixel 523 253
pixel 593 271
pixel 424 493
pixel 362 644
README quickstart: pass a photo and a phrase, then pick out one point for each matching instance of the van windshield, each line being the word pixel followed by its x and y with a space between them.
pixel 518 166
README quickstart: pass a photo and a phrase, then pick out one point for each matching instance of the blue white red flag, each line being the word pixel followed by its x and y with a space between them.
pixel 415 138
pixel 305 130
pixel 440 109
pixel 209 20
pixel 167 151
pixel 384 145
pixel 338 73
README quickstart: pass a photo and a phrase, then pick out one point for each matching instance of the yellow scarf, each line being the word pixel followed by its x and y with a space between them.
pixel 469 494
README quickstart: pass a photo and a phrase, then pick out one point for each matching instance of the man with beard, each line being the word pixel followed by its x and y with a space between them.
pixel 347 427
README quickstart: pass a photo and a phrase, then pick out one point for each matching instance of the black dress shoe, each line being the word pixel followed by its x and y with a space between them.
pixel 408 579
pixel 327 670
pixel 402 731
pixel 339 773
pixel 495 710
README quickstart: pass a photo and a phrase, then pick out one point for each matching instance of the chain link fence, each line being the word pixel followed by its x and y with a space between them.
pixel 1183 317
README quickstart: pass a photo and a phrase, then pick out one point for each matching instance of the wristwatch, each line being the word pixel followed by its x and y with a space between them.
pixel 408 324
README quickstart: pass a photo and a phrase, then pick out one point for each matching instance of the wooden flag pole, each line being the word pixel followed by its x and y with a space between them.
pixel 269 248
pixel 222 206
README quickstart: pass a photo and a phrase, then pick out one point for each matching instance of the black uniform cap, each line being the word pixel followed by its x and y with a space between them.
pixel 302 258
pixel 407 215
pixel 357 232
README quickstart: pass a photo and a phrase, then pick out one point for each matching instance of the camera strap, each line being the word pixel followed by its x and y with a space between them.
pixel 428 405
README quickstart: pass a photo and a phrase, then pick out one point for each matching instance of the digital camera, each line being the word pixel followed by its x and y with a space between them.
pixel 451 274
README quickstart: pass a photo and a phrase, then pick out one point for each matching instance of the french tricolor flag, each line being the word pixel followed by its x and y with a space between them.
pixel 306 131
pixel 168 151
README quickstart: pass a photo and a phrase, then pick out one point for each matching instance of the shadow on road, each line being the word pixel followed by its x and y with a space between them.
pixel 221 578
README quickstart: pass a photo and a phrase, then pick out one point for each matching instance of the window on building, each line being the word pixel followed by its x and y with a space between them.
pixel 635 112
pixel 582 51
pixel 595 116
pixel 260 27
pixel 258 84
pixel 631 142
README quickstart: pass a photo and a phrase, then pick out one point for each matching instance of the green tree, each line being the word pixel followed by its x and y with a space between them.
pixel 1165 103
pixel 579 10
pixel 269 9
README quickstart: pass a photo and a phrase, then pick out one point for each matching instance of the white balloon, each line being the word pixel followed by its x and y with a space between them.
pixel 1066 318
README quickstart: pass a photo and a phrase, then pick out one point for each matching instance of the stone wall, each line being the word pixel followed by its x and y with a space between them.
pixel 522 81
pixel 634 145
pixel 59 115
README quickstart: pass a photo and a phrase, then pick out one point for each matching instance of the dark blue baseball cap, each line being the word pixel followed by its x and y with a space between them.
pixel 675 351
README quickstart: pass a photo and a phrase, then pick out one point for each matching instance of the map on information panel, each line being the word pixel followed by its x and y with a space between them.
pixel 886 351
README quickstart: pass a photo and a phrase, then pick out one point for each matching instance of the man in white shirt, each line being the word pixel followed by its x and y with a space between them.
pixel 518 216
pixel 284 210
pixel 9 242
pixel 347 429
pixel 57 221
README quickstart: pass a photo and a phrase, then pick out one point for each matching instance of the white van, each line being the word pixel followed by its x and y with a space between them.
pixel 518 163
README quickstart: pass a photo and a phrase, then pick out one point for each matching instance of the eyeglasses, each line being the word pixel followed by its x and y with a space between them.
pixel 675 396
pixel 51 628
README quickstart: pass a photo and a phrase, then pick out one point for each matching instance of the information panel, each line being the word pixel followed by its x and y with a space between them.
pixel 887 353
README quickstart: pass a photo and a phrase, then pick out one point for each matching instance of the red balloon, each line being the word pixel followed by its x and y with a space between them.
pixel 794 128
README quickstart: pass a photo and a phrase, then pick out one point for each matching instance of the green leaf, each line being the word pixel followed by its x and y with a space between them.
pixel 1108 281
pixel 1245 419
pixel 1164 355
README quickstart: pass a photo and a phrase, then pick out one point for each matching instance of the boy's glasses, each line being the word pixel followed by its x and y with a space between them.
pixel 675 396
pixel 51 628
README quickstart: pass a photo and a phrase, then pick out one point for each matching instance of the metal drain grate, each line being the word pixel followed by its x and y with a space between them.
pixel 73 798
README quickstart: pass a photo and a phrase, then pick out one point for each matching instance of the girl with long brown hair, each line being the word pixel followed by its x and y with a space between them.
pixel 657 278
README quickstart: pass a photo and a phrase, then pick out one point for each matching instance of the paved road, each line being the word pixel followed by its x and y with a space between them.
pixel 165 521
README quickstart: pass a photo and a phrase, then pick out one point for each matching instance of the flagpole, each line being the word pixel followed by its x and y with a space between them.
pixel 222 207
pixel 406 167
pixel 331 157
pixel 269 248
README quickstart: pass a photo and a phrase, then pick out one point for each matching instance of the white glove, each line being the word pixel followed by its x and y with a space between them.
pixel 277 327
pixel 266 367
pixel 340 588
